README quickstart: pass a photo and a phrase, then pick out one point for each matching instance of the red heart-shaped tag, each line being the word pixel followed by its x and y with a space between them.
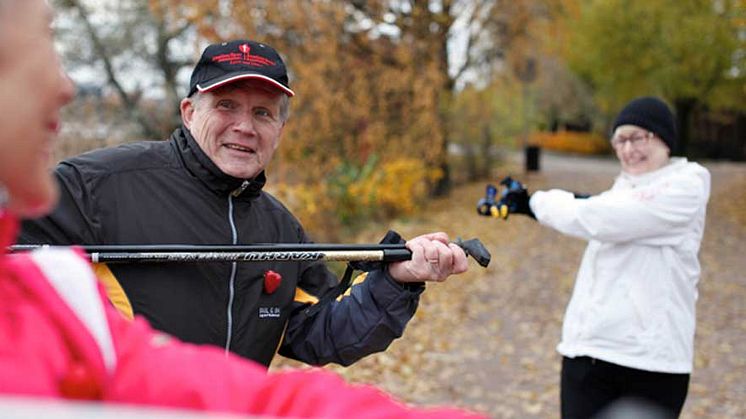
pixel 271 281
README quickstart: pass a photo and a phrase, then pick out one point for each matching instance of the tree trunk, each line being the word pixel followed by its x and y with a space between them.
pixel 445 21
pixel 470 162
pixel 486 151
pixel 684 107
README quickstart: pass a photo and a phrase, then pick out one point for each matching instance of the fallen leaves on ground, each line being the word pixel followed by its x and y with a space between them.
pixel 485 340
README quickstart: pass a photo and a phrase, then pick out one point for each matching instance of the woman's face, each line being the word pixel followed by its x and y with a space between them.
pixel 34 90
pixel 638 150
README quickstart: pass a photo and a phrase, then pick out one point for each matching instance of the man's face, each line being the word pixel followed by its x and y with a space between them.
pixel 34 89
pixel 238 126
pixel 639 151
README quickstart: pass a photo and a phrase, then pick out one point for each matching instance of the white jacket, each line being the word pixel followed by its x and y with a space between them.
pixel 636 290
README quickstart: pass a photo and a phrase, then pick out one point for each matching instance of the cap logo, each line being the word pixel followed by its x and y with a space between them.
pixel 243 57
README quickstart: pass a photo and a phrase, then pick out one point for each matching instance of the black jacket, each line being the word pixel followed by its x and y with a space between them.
pixel 170 192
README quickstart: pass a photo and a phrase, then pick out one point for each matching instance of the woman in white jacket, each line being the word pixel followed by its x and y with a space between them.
pixel 629 327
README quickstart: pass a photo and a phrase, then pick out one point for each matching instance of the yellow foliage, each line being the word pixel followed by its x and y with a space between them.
pixel 394 188
pixel 356 96
pixel 397 188
pixel 310 203
pixel 571 141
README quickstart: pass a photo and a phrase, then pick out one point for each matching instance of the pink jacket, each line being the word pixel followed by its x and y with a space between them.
pixel 59 338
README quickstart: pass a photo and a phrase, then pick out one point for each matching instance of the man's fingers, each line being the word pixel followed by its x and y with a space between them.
pixel 438 236
pixel 459 262
pixel 445 256
pixel 418 251
pixel 440 259
pixel 434 258
pixel 431 253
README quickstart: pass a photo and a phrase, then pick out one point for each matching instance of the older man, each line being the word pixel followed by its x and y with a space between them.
pixel 58 339
pixel 204 186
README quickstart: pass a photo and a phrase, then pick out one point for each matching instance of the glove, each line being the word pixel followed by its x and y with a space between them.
pixel 514 199
pixel 487 206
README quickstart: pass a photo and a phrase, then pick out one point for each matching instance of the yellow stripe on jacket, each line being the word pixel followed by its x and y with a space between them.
pixel 114 290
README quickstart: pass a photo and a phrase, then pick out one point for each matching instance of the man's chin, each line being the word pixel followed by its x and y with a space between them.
pixel 240 173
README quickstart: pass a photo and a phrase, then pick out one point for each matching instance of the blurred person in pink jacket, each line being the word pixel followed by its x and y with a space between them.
pixel 59 338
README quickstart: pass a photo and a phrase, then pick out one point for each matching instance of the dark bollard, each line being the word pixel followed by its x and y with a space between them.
pixel 533 154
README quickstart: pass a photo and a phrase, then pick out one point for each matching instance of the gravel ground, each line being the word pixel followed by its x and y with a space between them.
pixel 485 340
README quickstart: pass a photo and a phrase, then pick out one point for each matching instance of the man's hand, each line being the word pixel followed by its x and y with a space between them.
pixel 515 198
pixel 434 258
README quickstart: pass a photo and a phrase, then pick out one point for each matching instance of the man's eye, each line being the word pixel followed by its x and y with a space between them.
pixel 226 104
pixel 262 113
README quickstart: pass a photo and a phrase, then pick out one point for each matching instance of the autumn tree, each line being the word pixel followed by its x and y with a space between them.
pixel 517 82
pixel 380 75
pixel 375 79
pixel 482 119
pixel 365 90
pixel 138 49
pixel 689 52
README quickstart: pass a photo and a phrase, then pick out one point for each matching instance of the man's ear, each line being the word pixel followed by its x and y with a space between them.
pixel 187 112
pixel 279 136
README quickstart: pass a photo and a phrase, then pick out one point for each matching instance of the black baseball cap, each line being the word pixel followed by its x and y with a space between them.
pixel 227 62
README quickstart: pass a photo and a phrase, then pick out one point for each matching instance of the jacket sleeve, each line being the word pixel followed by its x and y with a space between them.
pixel 154 369
pixel 72 221
pixel 365 320
pixel 656 215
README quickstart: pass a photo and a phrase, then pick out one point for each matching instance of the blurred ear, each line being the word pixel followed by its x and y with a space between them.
pixel 187 112
pixel 279 137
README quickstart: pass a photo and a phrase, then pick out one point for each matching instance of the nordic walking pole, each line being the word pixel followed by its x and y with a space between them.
pixel 258 253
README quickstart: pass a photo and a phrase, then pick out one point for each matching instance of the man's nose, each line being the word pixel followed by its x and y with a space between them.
pixel 244 124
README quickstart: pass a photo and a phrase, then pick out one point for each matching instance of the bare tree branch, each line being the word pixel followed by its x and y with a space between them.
pixel 130 101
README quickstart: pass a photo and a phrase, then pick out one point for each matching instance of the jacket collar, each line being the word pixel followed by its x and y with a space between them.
pixel 200 165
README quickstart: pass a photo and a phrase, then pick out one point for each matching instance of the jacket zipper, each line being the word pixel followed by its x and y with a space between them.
pixel 232 281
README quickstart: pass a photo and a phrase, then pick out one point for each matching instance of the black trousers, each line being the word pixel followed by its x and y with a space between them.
pixel 592 388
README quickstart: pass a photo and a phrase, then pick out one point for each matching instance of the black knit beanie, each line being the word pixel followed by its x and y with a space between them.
pixel 652 114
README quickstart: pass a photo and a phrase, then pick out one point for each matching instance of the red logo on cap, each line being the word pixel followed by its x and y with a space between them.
pixel 271 281
pixel 244 57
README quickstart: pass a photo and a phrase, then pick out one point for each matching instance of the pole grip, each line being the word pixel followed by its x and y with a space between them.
pixel 476 250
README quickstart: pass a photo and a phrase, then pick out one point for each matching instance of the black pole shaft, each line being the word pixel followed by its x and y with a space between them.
pixel 388 255
pixel 262 247
pixel 257 253
pixel 247 253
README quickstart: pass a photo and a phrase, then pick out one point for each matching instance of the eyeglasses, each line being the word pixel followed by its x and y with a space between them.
pixel 636 140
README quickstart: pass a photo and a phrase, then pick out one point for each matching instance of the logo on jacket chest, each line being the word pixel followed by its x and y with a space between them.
pixel 272 281
pixel 269 312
